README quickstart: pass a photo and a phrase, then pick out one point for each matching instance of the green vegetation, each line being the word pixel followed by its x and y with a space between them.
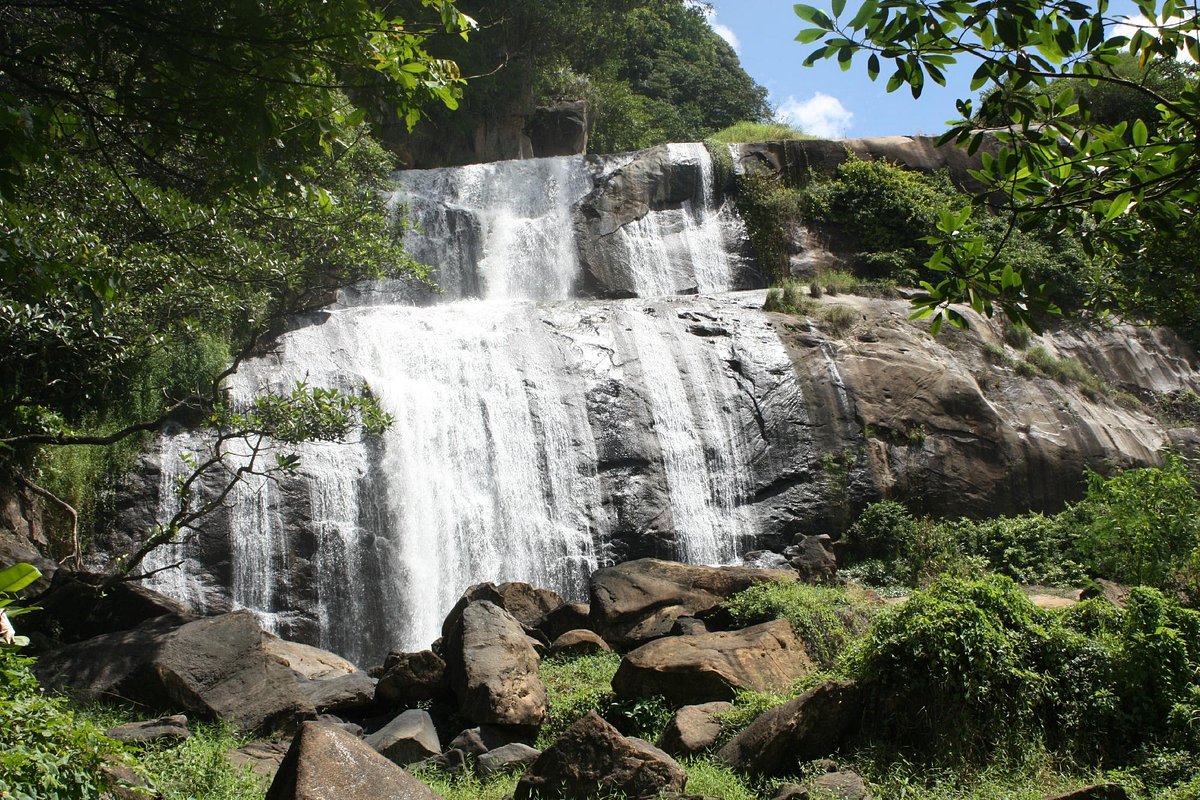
pixel 46 749
pixel 824 618
pixel 789 298
pixel 575 686
pixel 773 213
pixel 1098 138
pixel 198 767
pixel 465 786
pixel 741 132
pixel 1140 526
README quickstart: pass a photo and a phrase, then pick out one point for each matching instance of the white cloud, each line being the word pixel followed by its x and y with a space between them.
pixel 820 115
pixel 725 32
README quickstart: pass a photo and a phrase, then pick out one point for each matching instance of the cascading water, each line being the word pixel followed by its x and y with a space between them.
pixel 491 470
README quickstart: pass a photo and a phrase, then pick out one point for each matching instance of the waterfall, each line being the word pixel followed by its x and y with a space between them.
pixel 491 469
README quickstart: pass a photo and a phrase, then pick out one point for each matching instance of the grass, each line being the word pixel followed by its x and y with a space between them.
pixel 789 298
pixel 575 686
pixel 758 132
pixel 837 281
pixel 465 786
pixel 838 320
pixel 709 779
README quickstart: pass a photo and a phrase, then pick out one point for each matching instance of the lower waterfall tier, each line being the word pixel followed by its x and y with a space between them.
pixel 535 443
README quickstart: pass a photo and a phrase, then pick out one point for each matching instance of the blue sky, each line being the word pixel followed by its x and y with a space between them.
pixel 822 99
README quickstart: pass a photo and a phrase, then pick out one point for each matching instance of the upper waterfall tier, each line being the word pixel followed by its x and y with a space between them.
pixel 644 224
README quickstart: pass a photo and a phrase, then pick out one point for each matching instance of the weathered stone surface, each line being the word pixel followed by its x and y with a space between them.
pixel 592 759
pixel 765 559
pixel 211 668
pixel 153 730
pixel 263 758
pixel 567 617
pixel 310 663
pixel 485 738
pixel 693 729
pixel 1099 791
pixel 840 785
pixel 75 608
pixel 503 759
pixel 527 604
pixel 343 693
pixel 813 559
pixel 559 130
pixel 688 626
pixel 326 763
pixel 640 600
pixel 579 642
pixel 811 726
pixel 712 666
pixel 409 678
pixel 492 668
pixel 407 739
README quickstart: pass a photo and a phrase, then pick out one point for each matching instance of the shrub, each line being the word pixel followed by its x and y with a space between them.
pixel 46 750
pixel 1031 548
pixel 824 618
pixel 1143 526
pixel 772 212
pixel 789 298
pixel 838 319
pixel 955 663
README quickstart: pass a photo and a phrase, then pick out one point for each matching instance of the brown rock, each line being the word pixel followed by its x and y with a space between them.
pixel 567 617
pixel 154 730
pixel 1099 791
pixel 712 666
pixel 407 739
pixel 409 678
pixel 527 604
pixel 693 729
pixel 579 642
pixel 637 601
pixel 262 758
pixel 493 669
pixel 811 726
pixel 326 763
pixel 591 759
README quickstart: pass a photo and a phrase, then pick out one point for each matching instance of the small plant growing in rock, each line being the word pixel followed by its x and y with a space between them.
pixel 789 298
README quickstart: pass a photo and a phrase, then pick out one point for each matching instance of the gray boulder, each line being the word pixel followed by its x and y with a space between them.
pixel 640 600
pixel 326 763
pixel 592 759
pixel 493 668
pixel 409 678
pixel 811 726
pixel 836 785
pixel 578 643
pixel 409 738
pixel 344 693
pixel 154 730
pixel 262 758
pixel 693 729
pixel 212 668
pixel 527 604
pixel 765 559
pixel 713 666
pixel 813 558
pixel 567 617
pixel 503 759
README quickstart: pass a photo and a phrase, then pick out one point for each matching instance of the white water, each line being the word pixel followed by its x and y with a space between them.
pixel 489 472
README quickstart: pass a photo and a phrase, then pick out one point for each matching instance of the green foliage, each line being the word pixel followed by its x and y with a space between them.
pixel 789 298
pixel 709 779
pixel 837 281
pixel 1144 526
pixel 46 751
pixel 772 212
pixel 1031 548
pixel 959 659
pixel 1064 160
pixel 740 132
pixel 575 686
pixel 825 619
pixel 465 786
pixel 198 767
pixel 643 717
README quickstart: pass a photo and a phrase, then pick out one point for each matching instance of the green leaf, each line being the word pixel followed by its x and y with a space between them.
pixel 838 7
pixel 814 15
pixel 1117 207
pixel 15 578
pixel 1140 133
pixel 865 12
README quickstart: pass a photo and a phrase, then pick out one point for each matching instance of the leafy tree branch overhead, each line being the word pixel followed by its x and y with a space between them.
pixel 1118 183
pixel 176 179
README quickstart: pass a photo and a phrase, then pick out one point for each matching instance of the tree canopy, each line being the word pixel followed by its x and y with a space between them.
pixel 175 179
pixel 1115 180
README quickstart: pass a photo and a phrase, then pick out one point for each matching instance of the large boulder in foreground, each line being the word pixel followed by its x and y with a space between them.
pixel 640 600
pixel 713 666
pixel 592 759
pixel 493 668
pixel 212 668
pixel 810 727
pixel 326 763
